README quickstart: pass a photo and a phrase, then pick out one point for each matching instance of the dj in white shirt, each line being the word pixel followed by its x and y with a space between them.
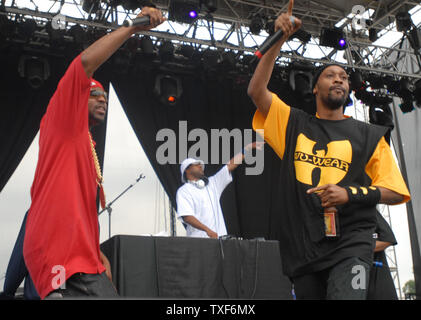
pixel 198 198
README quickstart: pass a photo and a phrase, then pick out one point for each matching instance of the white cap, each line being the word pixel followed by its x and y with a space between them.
pixel 186 163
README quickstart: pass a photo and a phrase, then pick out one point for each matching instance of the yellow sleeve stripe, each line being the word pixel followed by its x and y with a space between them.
pixel 384 172
pixel 274 125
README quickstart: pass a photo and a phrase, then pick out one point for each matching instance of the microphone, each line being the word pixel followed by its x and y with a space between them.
pixel 141 21
pixel 270 41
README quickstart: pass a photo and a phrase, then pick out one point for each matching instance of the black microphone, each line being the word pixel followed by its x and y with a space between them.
pixel 141 21
pixel 270 41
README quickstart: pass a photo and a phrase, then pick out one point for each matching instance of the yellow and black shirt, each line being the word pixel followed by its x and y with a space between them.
pixel 315 152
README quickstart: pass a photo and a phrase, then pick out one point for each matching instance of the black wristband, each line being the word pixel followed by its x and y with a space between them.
pixel 369 196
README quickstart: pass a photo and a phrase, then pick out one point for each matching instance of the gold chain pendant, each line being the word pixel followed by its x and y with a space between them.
pixel 99 178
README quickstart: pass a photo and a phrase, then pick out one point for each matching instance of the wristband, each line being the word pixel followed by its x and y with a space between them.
pixel 369 196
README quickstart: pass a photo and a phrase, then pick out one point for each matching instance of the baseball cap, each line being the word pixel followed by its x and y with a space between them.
pixel 96 84
pixel 186 163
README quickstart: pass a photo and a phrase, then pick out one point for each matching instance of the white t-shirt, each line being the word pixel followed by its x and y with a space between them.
pixel 204 204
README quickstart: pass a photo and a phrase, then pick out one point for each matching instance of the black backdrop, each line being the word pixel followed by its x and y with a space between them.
pixel 210 100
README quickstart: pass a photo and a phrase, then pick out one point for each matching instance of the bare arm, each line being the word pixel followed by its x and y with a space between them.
pixel 239 157
pixel 102 49
pixel 257 89
pixel 191 220
pixel 381 246
pixel 389 197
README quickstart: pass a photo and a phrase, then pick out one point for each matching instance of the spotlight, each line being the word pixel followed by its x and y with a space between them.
pixel 380 112
pixel 407 105
pixel 256 23
pixel 302 35
pixel 132 4
pixel 210 58
pixel 228 61
pixel 78 34
pixel 184 11
pixel 90 6
pixel 405 90
pixel 55 35
pixel 186 51
pixel 146 45
pixel 403 21
pixel 333 38
pixel 376 82
pixel 301 80
pixel 168 89
pixel 27 28
pixel 417 92
pixel 36 70
pixel 211 5
pixel 415 39
pixel 357 81
pixel 166 51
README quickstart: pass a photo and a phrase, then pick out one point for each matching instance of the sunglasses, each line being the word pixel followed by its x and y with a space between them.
pixel 97 93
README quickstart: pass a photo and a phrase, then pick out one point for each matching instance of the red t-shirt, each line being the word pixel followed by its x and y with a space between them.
pixel 62 236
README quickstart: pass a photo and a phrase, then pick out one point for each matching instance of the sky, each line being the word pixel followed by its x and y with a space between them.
pixel 143 210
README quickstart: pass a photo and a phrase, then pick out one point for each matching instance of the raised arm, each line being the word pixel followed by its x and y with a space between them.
pixel 257 89
pixel 239 157
pixel 102 49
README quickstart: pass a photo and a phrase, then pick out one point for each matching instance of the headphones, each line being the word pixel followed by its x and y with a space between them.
pixel 201 183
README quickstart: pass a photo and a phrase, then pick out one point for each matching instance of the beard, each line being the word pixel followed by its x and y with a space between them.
pixel 95 120
pixel 335 102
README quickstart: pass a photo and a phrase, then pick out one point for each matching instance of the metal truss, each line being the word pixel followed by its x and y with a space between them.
pixel 391 255
pixel 227 28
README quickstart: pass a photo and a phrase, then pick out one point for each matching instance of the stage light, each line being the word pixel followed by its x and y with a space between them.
pixel 166 51
pixel 90 6
pixel 146 45
pixel 403 21
pixel 301 35
pixel 334 38
pixel 405 89
pixel 132 4
pixel 78 34
pixel 186 51
pixel 36 70
pixel 417 92
pixel 228 60
pixel 27 29
pixel 210 58
pixel 168 89
pixel 380 112
pixel 415 39
pixel 184 11
pixel 256 24
pixel 211 5
pixel 301 80
pixel 356 80
pixel 407 105
pixel 375 81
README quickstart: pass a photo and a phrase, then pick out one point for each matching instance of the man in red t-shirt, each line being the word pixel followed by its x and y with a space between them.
pixel 61 246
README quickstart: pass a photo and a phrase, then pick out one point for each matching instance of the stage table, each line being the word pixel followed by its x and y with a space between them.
pixel 182 267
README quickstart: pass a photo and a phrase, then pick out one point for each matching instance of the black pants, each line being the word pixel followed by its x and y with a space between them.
pixel 347 280
pixel 85 285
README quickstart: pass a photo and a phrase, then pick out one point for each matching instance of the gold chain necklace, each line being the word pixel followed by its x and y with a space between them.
pixel 99 178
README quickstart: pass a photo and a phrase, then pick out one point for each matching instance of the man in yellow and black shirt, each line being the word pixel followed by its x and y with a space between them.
pixel 330 163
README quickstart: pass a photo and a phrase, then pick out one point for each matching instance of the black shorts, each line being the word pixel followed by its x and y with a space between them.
pixel 82 285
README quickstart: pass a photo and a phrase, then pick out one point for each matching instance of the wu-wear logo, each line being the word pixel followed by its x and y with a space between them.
pixel 317 164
